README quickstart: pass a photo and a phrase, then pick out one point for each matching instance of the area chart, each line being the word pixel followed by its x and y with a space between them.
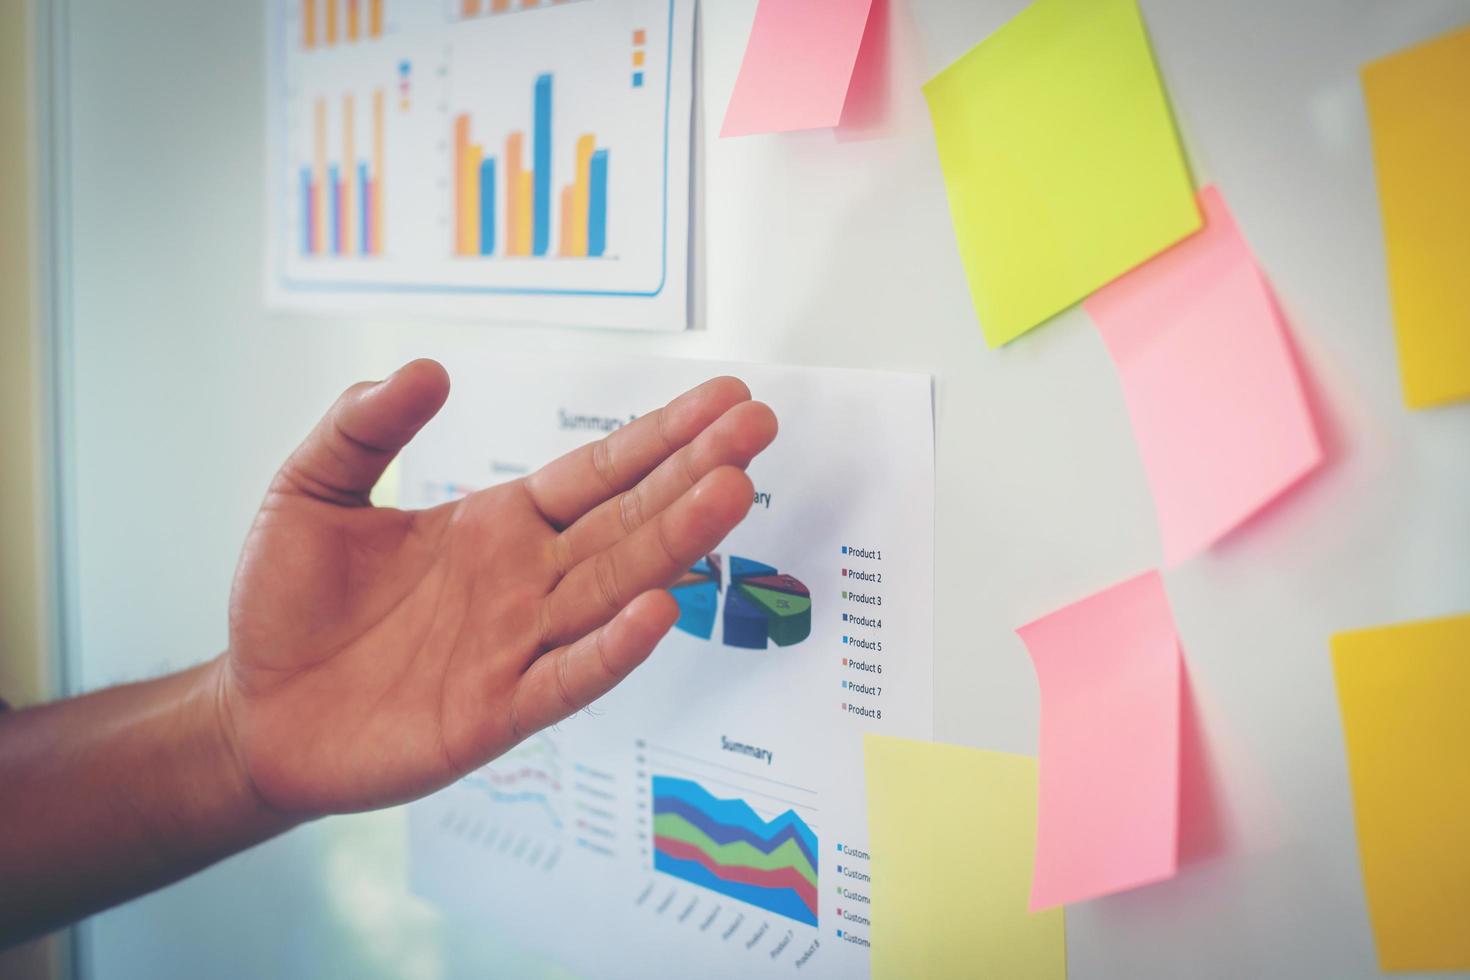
pixel 725 846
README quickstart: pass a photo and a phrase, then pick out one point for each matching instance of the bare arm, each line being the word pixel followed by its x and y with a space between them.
pixel 117 793
pixel 375 654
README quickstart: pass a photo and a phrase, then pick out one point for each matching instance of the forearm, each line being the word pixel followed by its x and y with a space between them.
pixel 110 795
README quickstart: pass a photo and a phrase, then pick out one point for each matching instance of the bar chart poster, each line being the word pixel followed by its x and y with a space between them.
pixel 710 811
pixel 523 161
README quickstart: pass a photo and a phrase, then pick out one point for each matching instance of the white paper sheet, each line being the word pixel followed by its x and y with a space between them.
pixel 562 842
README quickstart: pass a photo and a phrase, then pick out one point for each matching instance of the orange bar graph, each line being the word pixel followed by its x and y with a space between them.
pixel 467 159
pixel 331 21
pixel 354 24
pixel 581 191
pixel 375 18
pixel 308 23
pixel 565 245
pixel 469 8
pixel 524 191
pixel 461 215
pixel 319 178
pixel 499 6
pixel 375 199
pixel 349 169
pixel 469 211
pixel 342 186
pixel 513 148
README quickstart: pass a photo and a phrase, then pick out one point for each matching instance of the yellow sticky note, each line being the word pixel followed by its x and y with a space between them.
pixel 1060 157
pixel 1405 697
pixel 1419 112
pixel 385 492
pixel 952 835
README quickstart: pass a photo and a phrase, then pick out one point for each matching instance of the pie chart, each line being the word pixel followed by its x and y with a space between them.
pixel 761 606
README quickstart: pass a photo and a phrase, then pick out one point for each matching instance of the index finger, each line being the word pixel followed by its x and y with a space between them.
pixel 570 486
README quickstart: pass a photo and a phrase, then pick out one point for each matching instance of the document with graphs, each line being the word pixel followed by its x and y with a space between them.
pixel 522 161
pixel 707 817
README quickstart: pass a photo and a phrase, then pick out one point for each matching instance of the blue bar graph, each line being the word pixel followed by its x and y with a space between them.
pixel 487 206
pixel 511 214
pixel 597 205
pixel 541 162
pixel 308 208
pixel 365 196
pixel 334 182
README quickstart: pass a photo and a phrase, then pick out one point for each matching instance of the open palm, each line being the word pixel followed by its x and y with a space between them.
pixel 378 654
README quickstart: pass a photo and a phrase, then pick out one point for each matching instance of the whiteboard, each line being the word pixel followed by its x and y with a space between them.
pixel 182 394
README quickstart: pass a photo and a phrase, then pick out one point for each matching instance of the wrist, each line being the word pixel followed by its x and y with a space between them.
pixel 229 799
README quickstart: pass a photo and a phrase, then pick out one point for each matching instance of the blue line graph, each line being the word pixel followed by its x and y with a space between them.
pixel 536 798
pixel 528 778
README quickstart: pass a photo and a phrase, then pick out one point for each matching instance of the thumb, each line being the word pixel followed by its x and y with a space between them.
pixel 357 439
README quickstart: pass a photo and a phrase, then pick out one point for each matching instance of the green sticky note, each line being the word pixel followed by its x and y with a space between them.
pixel 1061 160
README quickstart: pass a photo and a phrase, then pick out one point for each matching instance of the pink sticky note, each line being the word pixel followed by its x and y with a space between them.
pixel 1212 388
pixel 1108 812
pixel 797 67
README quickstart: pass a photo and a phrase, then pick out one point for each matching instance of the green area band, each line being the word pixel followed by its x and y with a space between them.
pixel 742 853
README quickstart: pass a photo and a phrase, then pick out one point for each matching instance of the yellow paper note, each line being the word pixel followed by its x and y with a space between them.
pixel 1419 112
pixel 385 492
pixel 952 834
pixel 1405 697
pixel 1060 158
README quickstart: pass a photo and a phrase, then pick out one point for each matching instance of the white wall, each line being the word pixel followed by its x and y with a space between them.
pixel 814 248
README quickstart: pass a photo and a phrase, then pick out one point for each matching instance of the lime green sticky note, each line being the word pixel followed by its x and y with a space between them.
pixel 1060 157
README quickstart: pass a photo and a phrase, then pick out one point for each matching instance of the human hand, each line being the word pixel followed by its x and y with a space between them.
pixel 378 654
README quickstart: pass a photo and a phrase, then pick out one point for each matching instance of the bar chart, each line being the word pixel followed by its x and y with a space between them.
pixel 503 204
pixel 325 23
pixel 523 160
pixel 342 187
pixel 479 8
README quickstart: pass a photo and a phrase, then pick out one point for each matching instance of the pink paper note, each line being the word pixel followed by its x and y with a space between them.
pixel 797 67
pixel 1108 813
pixel 1212 387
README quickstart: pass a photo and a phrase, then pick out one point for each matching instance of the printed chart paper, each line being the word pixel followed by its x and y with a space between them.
pixel 487 159
pixel 1212 387
pixel 1109 667
pixel 953 832
pixel 1404 691
pixel 1060 158
pixel 797 67
pixel 1419 114
pixel 708 817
